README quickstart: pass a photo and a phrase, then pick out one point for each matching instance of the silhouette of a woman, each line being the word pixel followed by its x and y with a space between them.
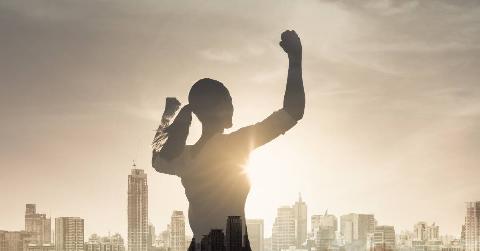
pixel 212 170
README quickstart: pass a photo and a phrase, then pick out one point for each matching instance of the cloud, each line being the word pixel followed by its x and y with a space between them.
pixel 220 56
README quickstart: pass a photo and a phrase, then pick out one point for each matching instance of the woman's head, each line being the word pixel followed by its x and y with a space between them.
pixel 211 102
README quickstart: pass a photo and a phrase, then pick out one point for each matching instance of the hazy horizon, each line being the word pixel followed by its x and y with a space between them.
pixel 391 127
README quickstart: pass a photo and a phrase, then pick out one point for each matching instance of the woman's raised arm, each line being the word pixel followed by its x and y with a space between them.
pixel 294 98
pixel 169 141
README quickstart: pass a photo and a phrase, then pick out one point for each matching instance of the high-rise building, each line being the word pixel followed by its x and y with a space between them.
pixel 324 229
pixel 14 240
pixel 383 239
pixel 214 241
pixel 255 234
pixel 283 231
pixel 325 220
pixel 177 231
pixel 38 226
pixel 69 234
pixel 110 243
pixel 163 240
pixel 426 232
pixel 472 226
pixel 355 228
pixel 300 214
pixel 233 233
pixel 137 210
pixel 151 236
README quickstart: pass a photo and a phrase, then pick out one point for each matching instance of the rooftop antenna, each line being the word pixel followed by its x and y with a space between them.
pixel 134 165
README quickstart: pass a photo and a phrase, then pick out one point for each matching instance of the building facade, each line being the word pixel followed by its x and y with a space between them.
pixel 234 233
pixel 355 229
pixel 177 231
pixel 283 231
pixel 425 232
pixel 69 234
pixel 324 228
pixel 472 226
pixel 109 243
pixel 255 228
pixel 137 211
pixel 383 239
pixel 38 226
pixel 14 240
pixel 301 217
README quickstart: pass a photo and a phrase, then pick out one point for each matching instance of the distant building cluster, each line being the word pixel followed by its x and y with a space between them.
pixel 349 232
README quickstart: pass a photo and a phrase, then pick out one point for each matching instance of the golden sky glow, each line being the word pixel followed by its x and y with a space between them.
pixel 391 124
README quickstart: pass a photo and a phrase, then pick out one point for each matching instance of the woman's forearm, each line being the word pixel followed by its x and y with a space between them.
pixel 294 98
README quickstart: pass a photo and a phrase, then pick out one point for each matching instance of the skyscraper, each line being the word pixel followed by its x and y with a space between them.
pixel 233 233
pixel 300 214
pixel 472 226
pixel 13 240
pixel 137 210
pixel 177 231
pixel 283 231
pixel 69 234
pixel 384 238
pixel 255 234
pixel 425 232
pixel 325 220
pixel 151 236
pixel 214 241
pixel 38 226
pixel 110 243
pixel 324 229
pixel 355 229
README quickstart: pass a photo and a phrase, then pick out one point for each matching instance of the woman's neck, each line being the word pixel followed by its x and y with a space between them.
pixel 207 133
pixel 209 130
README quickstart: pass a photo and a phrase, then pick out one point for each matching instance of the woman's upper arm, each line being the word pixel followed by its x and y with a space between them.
pixel 263 132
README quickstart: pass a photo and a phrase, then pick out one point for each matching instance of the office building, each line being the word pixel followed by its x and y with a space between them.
pixel 177 231
pixel 37 225
pixel 300 214
pixel 255 229
pixel 69 234
pixel 283 231
pixel 472 226
pixel 137 211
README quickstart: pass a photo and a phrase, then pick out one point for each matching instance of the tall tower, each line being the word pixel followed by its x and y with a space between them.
pixel 324 228
pixel 177 231
pixel 233 233
pixel 137 210
pixel 300 213
pixel 37 225
pixel 283 231
pixel 383 238
pixel 425 232
pixel 472 226
pixel 355 228
pixel 69 234
pixel 255 234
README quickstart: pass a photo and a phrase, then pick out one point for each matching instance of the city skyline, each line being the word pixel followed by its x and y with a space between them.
pixel 391 126
pixel 39 223
pixel 357 231
pixel 138 204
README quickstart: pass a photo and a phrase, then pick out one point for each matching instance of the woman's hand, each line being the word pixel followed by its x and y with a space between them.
pixel 291 44
pixel 171 106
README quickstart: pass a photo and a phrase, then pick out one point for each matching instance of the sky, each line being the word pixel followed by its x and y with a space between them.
pixel 391 127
